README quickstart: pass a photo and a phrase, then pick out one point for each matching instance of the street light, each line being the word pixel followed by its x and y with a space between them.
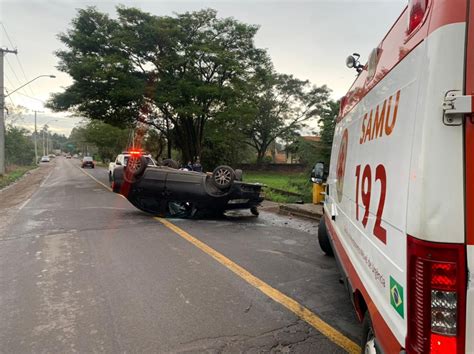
pixel 29 82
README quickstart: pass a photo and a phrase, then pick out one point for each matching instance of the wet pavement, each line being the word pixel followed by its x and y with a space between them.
pixel 82 270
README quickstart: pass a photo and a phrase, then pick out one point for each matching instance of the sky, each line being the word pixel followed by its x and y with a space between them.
pixel 308 39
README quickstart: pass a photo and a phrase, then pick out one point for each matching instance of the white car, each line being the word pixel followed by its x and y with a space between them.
pixel 122 160
pixel 45 159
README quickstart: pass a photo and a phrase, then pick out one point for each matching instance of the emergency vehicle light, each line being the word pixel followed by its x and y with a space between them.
pixel 416 11
pixel 436 297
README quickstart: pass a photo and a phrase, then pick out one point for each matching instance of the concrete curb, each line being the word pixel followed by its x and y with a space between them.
pixel 297 210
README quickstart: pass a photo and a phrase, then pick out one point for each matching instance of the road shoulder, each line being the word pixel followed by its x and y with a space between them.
pixel 15 196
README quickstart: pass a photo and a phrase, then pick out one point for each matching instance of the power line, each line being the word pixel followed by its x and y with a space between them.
pixel 17 58
pixel 13 71
pixel 33 98
pixel 9 81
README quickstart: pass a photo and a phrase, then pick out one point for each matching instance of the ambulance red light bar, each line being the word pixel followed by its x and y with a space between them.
pixel 436 297
pixel 416 12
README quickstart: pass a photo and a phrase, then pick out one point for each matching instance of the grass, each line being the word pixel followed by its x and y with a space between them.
pixel 291 182
pixel 13 174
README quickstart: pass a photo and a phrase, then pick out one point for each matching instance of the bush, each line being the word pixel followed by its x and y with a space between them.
pixel 19 149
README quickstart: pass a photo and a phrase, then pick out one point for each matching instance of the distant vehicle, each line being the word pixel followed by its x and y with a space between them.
pixel 88 161
pixel 399 208
pixel 44 159
pixel 122 160
pixel 75 156
pixel 52 156
pixel 68 156
pixel 170 192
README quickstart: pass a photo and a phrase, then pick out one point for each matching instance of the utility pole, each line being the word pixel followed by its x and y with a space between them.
pixel 2 110
pixel 36 143
pixel 44 147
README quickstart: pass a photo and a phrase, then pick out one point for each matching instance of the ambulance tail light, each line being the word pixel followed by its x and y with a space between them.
pixel 436 297
pixel 416 12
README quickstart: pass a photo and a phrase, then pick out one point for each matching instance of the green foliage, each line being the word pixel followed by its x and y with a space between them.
pixel 13 175
pixel 291 182
pixel 19 148
pixel 174 73
pixel 327 125
pixel 224 143
pixel 282 104
pixel 108 140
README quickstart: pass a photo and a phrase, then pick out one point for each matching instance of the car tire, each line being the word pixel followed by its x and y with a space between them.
pixel 238 174
pixel 254 211
pixel 323 238
pixel 170 163
pixel 134 170
pixel 223 176
pixel 368 343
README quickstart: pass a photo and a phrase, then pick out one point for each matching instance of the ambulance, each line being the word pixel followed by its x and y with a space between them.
pixel 399 206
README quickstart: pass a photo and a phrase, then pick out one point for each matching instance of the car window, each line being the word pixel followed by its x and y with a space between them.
pixel 87 158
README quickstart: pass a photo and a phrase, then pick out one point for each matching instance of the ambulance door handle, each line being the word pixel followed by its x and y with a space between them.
pixel 455 105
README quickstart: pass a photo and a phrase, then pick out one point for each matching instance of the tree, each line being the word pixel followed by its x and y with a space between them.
pixel 282 104
pixel 173 73
pixel 19 149
pixel 108 140
pixel 327 125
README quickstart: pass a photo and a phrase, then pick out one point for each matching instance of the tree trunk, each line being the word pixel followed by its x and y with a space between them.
pixel 260 156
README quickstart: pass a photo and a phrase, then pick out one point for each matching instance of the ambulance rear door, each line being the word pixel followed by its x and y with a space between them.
pixel 469 181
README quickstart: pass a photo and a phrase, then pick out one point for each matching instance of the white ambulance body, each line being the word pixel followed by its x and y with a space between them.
pixel 399 208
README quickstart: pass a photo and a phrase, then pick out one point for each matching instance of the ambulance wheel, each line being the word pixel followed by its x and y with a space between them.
pixel 323 238
pixel 368 345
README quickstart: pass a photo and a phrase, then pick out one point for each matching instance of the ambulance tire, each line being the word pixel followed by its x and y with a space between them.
pixel 368 344
pixel 323 238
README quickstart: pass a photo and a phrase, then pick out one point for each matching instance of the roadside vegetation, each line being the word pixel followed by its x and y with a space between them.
pixel 183 86
pixel 13 174
pixel 277 183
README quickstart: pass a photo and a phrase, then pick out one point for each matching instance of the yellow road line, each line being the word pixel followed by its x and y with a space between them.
pixel 95 179
pixel 299 310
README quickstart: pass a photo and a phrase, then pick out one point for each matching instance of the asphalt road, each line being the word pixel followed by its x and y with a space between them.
pixel 82 270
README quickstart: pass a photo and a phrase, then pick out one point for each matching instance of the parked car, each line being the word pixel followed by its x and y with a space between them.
pixel 45 159
pixel 122 160
pixel 88 161
pixel 68 156
pixel 167 191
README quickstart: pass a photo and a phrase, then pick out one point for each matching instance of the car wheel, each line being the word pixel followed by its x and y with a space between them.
pixel 323 238
pixel 238 174
pixel 170 163
pixel 223 176
pixel 135 168
pixel 368 336
pixel 254 211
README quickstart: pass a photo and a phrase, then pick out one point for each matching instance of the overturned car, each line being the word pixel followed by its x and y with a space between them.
pixel 170 192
